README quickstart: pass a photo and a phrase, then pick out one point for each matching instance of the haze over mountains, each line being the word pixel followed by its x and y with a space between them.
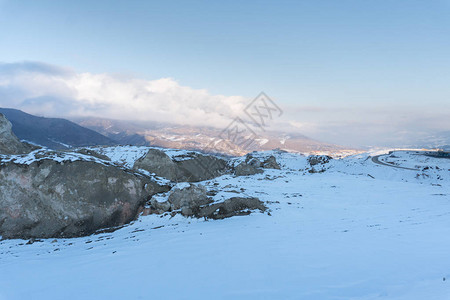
pixel 58 133
pixel 201 138
pixel 438 140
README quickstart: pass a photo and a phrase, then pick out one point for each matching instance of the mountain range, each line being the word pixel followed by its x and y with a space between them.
pixel 57 133
pixel 201 138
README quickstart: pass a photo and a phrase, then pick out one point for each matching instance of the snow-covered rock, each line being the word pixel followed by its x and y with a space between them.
pixel 69 196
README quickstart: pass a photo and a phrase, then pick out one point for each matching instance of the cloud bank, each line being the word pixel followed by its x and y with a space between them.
pixel 49 90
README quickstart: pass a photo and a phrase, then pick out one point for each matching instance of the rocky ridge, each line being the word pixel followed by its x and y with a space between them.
pixel 46 193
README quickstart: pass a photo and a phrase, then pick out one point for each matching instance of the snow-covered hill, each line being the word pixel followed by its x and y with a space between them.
pixel 352 228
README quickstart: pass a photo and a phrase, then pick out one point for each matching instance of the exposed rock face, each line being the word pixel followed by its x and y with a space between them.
pixel 9 143
pixel 192 168
pixel 51 199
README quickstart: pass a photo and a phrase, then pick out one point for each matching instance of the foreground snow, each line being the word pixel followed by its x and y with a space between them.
pixel 358 230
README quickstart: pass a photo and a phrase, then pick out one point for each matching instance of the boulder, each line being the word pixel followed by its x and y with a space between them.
pixel 236 206
pixel 199 167
pixel 9 143
pixel 188 198
pixel 157 207
pixel 252 165
pixel 245 169
pixel 159 163
pixel 48 198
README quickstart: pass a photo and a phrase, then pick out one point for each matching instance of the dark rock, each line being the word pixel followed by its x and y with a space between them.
pixel 244 169
pixel 236 206
pixel 314 171
pixel 319 159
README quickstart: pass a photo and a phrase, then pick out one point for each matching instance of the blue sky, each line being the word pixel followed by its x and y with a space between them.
pixel 311 56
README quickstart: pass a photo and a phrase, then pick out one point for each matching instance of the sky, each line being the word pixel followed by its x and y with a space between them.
pixel 358 73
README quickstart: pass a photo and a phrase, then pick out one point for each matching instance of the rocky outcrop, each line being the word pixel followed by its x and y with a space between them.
pixel 252 165
pixel 192 167
pixel 319 159
pixel 47 198
pixel 9 143
pixel 193 201
pixel 318 163
pixel 54 194
pixel 271 163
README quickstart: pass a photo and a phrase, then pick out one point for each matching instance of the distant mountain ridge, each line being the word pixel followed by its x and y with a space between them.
pixel 54 133
pixel 60 134
pixel 440 140
pixel 200 138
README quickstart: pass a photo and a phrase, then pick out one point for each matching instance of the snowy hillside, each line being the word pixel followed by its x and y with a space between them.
pixel 360 227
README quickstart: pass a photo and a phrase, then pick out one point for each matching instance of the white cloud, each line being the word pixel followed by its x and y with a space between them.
pixel 52 91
